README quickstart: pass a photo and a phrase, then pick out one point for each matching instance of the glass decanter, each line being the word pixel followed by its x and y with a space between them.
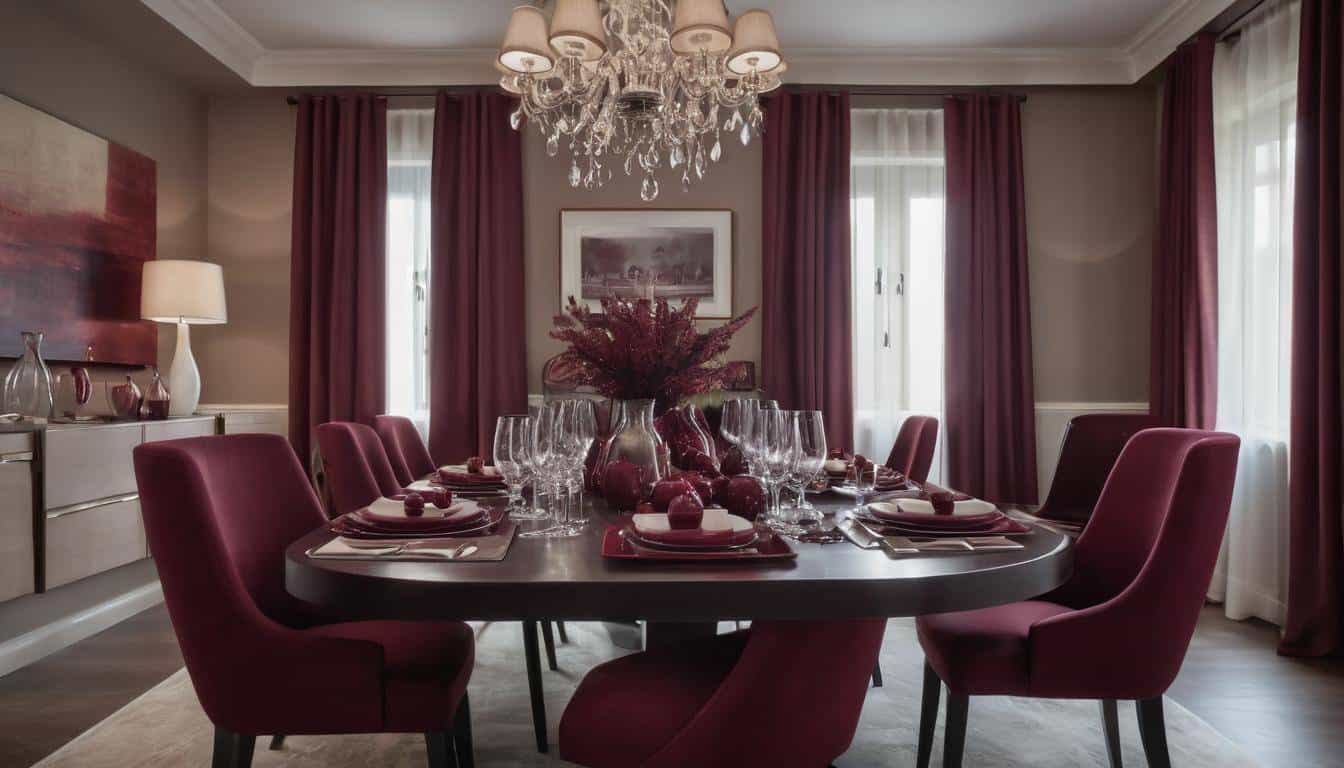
pixel 28 386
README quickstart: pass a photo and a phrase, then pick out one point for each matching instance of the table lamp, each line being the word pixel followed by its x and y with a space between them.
pixel 187 293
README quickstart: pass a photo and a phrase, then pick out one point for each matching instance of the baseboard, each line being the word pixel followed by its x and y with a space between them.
pixel 66 631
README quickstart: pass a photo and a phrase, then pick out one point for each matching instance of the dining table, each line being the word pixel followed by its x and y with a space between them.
pixel 570 579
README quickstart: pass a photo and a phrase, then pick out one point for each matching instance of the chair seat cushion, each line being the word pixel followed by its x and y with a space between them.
pixel 984 652
pixel 426 666
pixel 626 710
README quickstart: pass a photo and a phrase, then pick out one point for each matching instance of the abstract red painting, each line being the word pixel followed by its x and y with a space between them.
pixel 77 222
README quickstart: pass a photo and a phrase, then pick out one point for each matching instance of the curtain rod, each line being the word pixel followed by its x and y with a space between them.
pixel 1230 31
pixel 856 90
pixel 428 90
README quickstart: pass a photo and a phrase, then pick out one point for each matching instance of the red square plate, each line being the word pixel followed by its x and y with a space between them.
pixel 618 548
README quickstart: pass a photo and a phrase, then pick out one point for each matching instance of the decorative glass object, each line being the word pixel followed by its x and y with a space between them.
pixel 71 393
pixel 124 399
pixel 157 398
pixel 634 439
pixel 630 83
pixel 28 386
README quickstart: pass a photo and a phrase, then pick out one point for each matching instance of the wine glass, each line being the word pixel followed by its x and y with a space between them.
pixel 582 422
pixel 730 421
pixel 811 458
pixel 547 451
pixel 777 438
pixel 513 458
pixel 750 442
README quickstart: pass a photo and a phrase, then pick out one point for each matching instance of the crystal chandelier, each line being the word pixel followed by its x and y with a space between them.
pixel 629 81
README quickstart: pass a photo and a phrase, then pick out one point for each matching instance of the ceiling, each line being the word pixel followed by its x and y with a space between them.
pixel 914 42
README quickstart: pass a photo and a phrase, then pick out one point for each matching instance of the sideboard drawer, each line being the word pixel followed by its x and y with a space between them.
pixel 16 526
pixel 88 541
pixel 174 430
pixel 89 463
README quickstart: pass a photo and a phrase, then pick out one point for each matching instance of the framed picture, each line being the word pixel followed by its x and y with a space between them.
pixel 671 254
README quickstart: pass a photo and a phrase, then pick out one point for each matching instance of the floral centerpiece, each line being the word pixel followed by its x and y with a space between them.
pixel 646 355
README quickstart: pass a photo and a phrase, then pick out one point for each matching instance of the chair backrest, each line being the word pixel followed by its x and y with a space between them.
pixel 806 717
pixel 912 453
pixel 1092 442
pixel 1141 567
pixel 406 451
pixel 356 465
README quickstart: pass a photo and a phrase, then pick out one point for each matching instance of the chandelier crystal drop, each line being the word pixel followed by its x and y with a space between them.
pixel 643 84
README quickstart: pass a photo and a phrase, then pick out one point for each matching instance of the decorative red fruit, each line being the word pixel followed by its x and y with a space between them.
pixel 664 491
pixel 685 512
pixel 745 497
pixel 476 465
pixel 704 486
pixel 720 489
pixel 623 484
pixel 699 461
pixel 414 504
pixel 733 462
pixel 442 499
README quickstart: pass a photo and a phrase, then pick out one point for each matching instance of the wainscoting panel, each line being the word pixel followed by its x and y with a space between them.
pixel 1051 421
pixel 268 418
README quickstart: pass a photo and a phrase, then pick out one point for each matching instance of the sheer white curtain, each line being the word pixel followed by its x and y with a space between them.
pixel 897 194
pixel 410 145
pixel 1255 106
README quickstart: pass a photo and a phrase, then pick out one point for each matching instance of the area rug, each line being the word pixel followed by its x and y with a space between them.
pixel 166 727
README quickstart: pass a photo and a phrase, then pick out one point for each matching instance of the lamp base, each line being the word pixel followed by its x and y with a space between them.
pixel 184 379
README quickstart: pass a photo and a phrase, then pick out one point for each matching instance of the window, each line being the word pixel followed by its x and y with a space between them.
pixel 1255 107
pixel 896 204
pixel 410 146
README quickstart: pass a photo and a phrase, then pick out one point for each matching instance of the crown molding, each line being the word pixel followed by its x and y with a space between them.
pixel 215 31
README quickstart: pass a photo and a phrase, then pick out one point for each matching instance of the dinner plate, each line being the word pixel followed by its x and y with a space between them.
pixel 348 527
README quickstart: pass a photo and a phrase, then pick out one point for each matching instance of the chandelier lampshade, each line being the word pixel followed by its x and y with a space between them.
pixel 527 46
pixel 701 25
pixel 640 85
pixel 755 45
pixel 576 30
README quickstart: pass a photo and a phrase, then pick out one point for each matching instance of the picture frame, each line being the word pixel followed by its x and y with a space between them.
pixel 663 253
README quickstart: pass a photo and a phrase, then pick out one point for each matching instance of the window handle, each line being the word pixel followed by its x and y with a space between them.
pixel 900 284
pixel 878 283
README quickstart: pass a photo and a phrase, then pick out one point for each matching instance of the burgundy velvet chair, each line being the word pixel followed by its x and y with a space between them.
pixel 912 454
pixel 219 513
pixel 779 694
pixel 1120 626
pixel 406 451
pixel 1092 442
pixel 356 466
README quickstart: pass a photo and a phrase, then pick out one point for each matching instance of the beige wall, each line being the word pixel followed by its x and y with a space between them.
pixel 251 170
pixel 1091 217
pixel 57 67
pixel 1090 191
pixel 733 183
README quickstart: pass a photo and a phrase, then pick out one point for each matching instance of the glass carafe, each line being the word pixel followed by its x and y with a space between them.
pixel 28 386
pixel 634 439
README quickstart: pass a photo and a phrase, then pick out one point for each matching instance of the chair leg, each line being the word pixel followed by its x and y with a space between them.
pixel 954 738
pixel 564 636
pixel 548 636
pixel 928 715
pixel 877 674
pixel 1153 733
pixel 1110 726
pixel 278 741
pixel 439 750
pixel 232 750
pixel 533 655
pixel 462 744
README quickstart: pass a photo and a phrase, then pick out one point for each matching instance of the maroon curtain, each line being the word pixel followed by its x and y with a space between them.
pixel 806 348
pixel 478 352
pixel 336 311
pixel 1183 374
pixel 991 414
pixel 1315 624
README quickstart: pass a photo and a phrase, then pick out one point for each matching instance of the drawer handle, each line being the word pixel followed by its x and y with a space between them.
pixel 24 457
pixel 71 509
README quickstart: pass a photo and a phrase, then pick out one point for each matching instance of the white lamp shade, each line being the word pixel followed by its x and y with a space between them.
pixel 576 30
pixel 701 25
pixel 173 291
pixel 755 45
pixel 507 79
pixel 526 47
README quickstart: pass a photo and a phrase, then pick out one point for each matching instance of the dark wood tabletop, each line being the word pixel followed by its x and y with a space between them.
pixel 569 579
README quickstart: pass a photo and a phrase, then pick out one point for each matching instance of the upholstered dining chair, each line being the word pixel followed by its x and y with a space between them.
pixel 761 698
pixel 357 468
pixel 406 451
pixel 912 453
pixel 219 513
pixel 1092 442
pixel 1120 626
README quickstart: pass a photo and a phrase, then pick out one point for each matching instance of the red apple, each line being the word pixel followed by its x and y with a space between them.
pixel 685 512
pixel 944 502
pixel 476 465
pixel 415 505
pixel 623 484
pixel 704 486
pixel 664 491
pixel 745 497
pixel 442 499
pixel 720 489
pixel 733 462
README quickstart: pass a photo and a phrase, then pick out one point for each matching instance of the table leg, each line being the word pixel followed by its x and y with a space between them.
pixel 673 634
pixel 534 683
